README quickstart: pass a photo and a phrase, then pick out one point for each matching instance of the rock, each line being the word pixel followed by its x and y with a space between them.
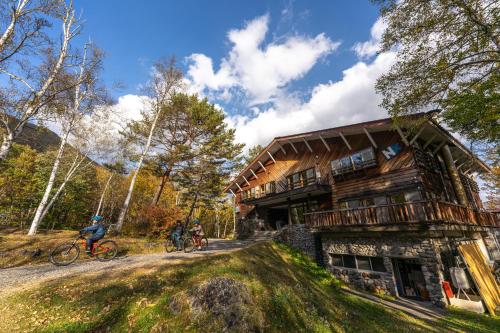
pixel 229 301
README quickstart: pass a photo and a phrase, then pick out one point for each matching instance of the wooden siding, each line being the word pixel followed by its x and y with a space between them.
pixel 387 173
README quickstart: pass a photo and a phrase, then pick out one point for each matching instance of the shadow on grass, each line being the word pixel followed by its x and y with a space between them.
pixel 291 292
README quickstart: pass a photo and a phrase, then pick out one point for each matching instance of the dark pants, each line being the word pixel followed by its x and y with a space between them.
pixel 91 240
pixel 176 238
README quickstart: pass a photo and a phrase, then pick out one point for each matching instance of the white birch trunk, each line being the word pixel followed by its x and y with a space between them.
pixel 126 204
pixel 45 199
pixel 8 140
pixel 74 167
pixel 101 200
pixel 9 31
pixel 37 99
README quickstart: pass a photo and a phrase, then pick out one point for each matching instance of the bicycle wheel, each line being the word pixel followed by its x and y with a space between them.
pixel 106 250
pixel 169 245
pixel 188 245
pixel 64 254
pixel 204 243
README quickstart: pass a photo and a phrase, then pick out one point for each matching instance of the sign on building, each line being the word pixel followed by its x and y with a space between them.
pixel 392 151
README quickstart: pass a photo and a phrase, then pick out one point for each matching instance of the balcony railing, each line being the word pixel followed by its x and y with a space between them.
pixel 411 212
pixel 283 185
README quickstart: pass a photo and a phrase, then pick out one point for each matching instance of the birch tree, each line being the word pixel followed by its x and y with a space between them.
pixel 166 81
pixel 31 88
pixel 73 107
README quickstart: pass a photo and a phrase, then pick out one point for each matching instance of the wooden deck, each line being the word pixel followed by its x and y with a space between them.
pixel 405 213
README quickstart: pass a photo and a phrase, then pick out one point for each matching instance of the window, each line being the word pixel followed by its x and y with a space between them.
pixel 359 160
pixel 301 178
pixel 378 264
pixel 337 260
pixel 363 263
pixel 349 261
pixel 358 262
pixel 412 196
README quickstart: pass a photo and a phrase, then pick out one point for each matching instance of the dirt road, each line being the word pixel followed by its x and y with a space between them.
pixel 14 279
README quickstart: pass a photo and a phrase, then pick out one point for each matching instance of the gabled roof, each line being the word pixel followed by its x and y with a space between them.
pixel 429 128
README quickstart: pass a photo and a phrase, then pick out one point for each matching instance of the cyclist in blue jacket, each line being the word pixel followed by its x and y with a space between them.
pixel 97 230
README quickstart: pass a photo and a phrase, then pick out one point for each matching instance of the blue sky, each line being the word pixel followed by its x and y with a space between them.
pixel 275 67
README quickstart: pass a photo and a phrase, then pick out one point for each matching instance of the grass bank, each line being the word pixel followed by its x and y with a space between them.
pixel 18 249
pixel 288 292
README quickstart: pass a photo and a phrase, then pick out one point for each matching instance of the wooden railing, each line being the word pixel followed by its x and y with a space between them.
pixel 411 212
pixel 282 185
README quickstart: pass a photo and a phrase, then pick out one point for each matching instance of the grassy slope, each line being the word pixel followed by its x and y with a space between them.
pixel 16 247
pixel 290 294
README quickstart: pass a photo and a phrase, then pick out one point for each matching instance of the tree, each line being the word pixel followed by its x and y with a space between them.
pixel 212 157
pixel 165 82
pixel 31 83
pixel 448 55
pixel 253 152
pixel 73 107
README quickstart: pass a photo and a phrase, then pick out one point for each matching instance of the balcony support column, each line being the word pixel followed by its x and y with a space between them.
pixel 289 203
pixel 455 177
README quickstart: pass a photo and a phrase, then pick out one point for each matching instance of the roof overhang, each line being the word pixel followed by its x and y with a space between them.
pixel 422 125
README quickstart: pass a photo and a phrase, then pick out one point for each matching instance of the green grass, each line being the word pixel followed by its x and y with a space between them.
pixel 289 294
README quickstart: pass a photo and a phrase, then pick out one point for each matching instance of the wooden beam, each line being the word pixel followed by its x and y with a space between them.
pixel 293 146
pixel 262 165
pixel 271 156
pixel 307 144
pixel 324 142
pixel 374 144
pixel 254 174
pixel 281 147
pixel 438 147
pixel 239 187
pixel 417 135
pixel 232 192
pixel 345 140
pixel 401 134
pixel 429 141
pixel 246 180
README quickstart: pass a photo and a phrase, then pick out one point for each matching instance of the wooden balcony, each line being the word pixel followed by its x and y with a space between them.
pixel 405 213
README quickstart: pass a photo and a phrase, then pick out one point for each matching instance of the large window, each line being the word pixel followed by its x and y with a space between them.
pixel 301 178
pixel 359 160
pixel 375 264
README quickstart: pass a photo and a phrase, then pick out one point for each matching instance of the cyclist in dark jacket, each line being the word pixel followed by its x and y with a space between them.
pixel 176 233
pixel 97 230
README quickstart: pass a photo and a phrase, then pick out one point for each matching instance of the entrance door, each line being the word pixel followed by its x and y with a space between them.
pixel 410 280
pixel 278 217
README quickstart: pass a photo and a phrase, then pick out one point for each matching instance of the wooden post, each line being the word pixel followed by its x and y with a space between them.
pixel 289 211
pixel 455 177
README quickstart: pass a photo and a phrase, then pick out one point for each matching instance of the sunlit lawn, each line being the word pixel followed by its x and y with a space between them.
pixel 289 294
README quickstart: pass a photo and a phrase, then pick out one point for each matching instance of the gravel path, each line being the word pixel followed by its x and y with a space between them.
pixel 13 279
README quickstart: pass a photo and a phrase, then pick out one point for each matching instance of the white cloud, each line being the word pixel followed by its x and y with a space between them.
pixel 370 48
pixel 260 71
pixel 350 100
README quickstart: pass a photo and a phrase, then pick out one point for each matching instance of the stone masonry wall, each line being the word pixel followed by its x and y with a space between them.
pixel 425 250
pixel 490 240
pixel 298 236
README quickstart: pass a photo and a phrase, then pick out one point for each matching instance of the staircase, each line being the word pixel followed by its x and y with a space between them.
pixel 260 236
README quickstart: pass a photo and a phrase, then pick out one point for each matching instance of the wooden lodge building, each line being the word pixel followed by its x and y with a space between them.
pixel 384 206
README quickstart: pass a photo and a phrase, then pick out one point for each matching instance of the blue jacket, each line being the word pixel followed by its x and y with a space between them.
pixel 96 229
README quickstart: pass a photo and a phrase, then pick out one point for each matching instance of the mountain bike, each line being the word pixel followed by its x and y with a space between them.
pixel 170 245
pixel 189 244
pixel 67 253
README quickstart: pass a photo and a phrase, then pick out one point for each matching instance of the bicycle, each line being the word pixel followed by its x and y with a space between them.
pixel 189 244
pixel 66 254
pixel 170 245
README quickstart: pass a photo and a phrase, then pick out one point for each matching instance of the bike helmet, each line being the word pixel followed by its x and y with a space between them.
pixel 96 218
pixel 196 221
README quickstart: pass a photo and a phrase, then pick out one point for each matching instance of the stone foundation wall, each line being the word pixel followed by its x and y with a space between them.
pixel 425 250
pixel 492 245
pixel 298 236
